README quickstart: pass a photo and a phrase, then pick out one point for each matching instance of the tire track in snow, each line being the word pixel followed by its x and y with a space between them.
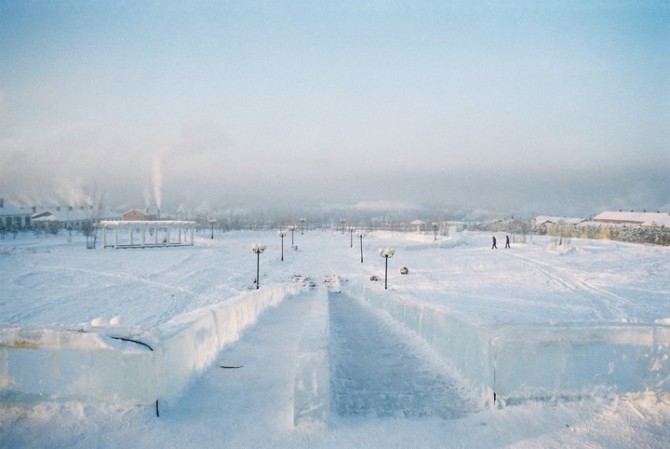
pixel 376 372
pixel 604 301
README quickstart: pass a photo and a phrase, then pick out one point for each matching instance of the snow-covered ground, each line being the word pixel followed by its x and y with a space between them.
pixel 387 386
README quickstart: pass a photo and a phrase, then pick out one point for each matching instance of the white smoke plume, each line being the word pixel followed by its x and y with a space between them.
pixel 158 175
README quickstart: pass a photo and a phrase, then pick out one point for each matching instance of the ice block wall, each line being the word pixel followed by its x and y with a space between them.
pixel 537 360
pixel 136 366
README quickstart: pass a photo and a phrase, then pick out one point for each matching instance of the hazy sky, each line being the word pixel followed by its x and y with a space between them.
pixel 552 107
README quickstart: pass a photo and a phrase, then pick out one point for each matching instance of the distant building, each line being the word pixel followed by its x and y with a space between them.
pixel 418 225
pixel 641 227
pixel 135 215
pixel 632 218
pixel 544 224
pixel 14 218
pixel 74 218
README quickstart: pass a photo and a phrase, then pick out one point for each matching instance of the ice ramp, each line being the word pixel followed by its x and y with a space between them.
pixel 312 377
pixel 124 365
pixel 537 360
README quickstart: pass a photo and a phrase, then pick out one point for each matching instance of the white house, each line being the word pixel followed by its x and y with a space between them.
pixel 12 217
pixel 75 218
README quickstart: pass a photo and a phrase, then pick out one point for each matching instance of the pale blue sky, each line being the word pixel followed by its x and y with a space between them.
pixel 528 106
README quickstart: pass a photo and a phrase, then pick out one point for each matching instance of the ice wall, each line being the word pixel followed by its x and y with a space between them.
pixel 518 361
pixel 136 366
pixel 576 359
pixel 62 363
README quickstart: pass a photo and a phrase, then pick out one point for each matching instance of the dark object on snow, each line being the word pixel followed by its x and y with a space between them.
pixel 494 246
pixel 230 367
pixel 133 341
pixel 507 241
pixel 157 413
pixel 374 278
pixel 404 270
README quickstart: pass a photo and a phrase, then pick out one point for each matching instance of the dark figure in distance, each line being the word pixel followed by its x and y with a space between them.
pixel 494 243
pixel 507 241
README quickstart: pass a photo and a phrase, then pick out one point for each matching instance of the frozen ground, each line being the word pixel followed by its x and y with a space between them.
pixel 388 388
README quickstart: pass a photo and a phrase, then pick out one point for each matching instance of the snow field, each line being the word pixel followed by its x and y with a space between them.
pixel 569 328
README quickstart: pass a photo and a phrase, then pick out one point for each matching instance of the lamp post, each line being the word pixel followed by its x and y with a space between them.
pixel 434 225
pixel 282 234
pixel 342 221
pixel 292 228
pixel 211 222
pixel 360 236
pixel 386 253
pixel 258 249
pixel 351 230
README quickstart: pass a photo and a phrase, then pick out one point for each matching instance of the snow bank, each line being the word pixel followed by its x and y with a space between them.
pixel 136 366
pixel 518 361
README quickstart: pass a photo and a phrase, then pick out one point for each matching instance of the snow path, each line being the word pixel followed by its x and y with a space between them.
pixel 375 371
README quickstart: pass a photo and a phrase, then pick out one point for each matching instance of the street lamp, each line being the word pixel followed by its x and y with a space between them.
pixel 351 230
pixel 360 236
pixel 211 222
pixel 282 234
pixel 258 249
pixel 434 224
pixel 386 253
pixel 292 228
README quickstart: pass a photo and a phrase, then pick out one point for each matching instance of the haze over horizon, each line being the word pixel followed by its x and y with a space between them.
pixel 528 107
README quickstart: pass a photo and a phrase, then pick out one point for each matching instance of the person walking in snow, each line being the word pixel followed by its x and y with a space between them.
pixel 507 241
pixel 494 243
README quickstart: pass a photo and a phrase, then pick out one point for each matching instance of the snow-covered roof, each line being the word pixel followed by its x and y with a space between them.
pixel 64 215
pixel 145 223
pixel 638 218
pixel 542 219
pixel 44 217
pixel 9 209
